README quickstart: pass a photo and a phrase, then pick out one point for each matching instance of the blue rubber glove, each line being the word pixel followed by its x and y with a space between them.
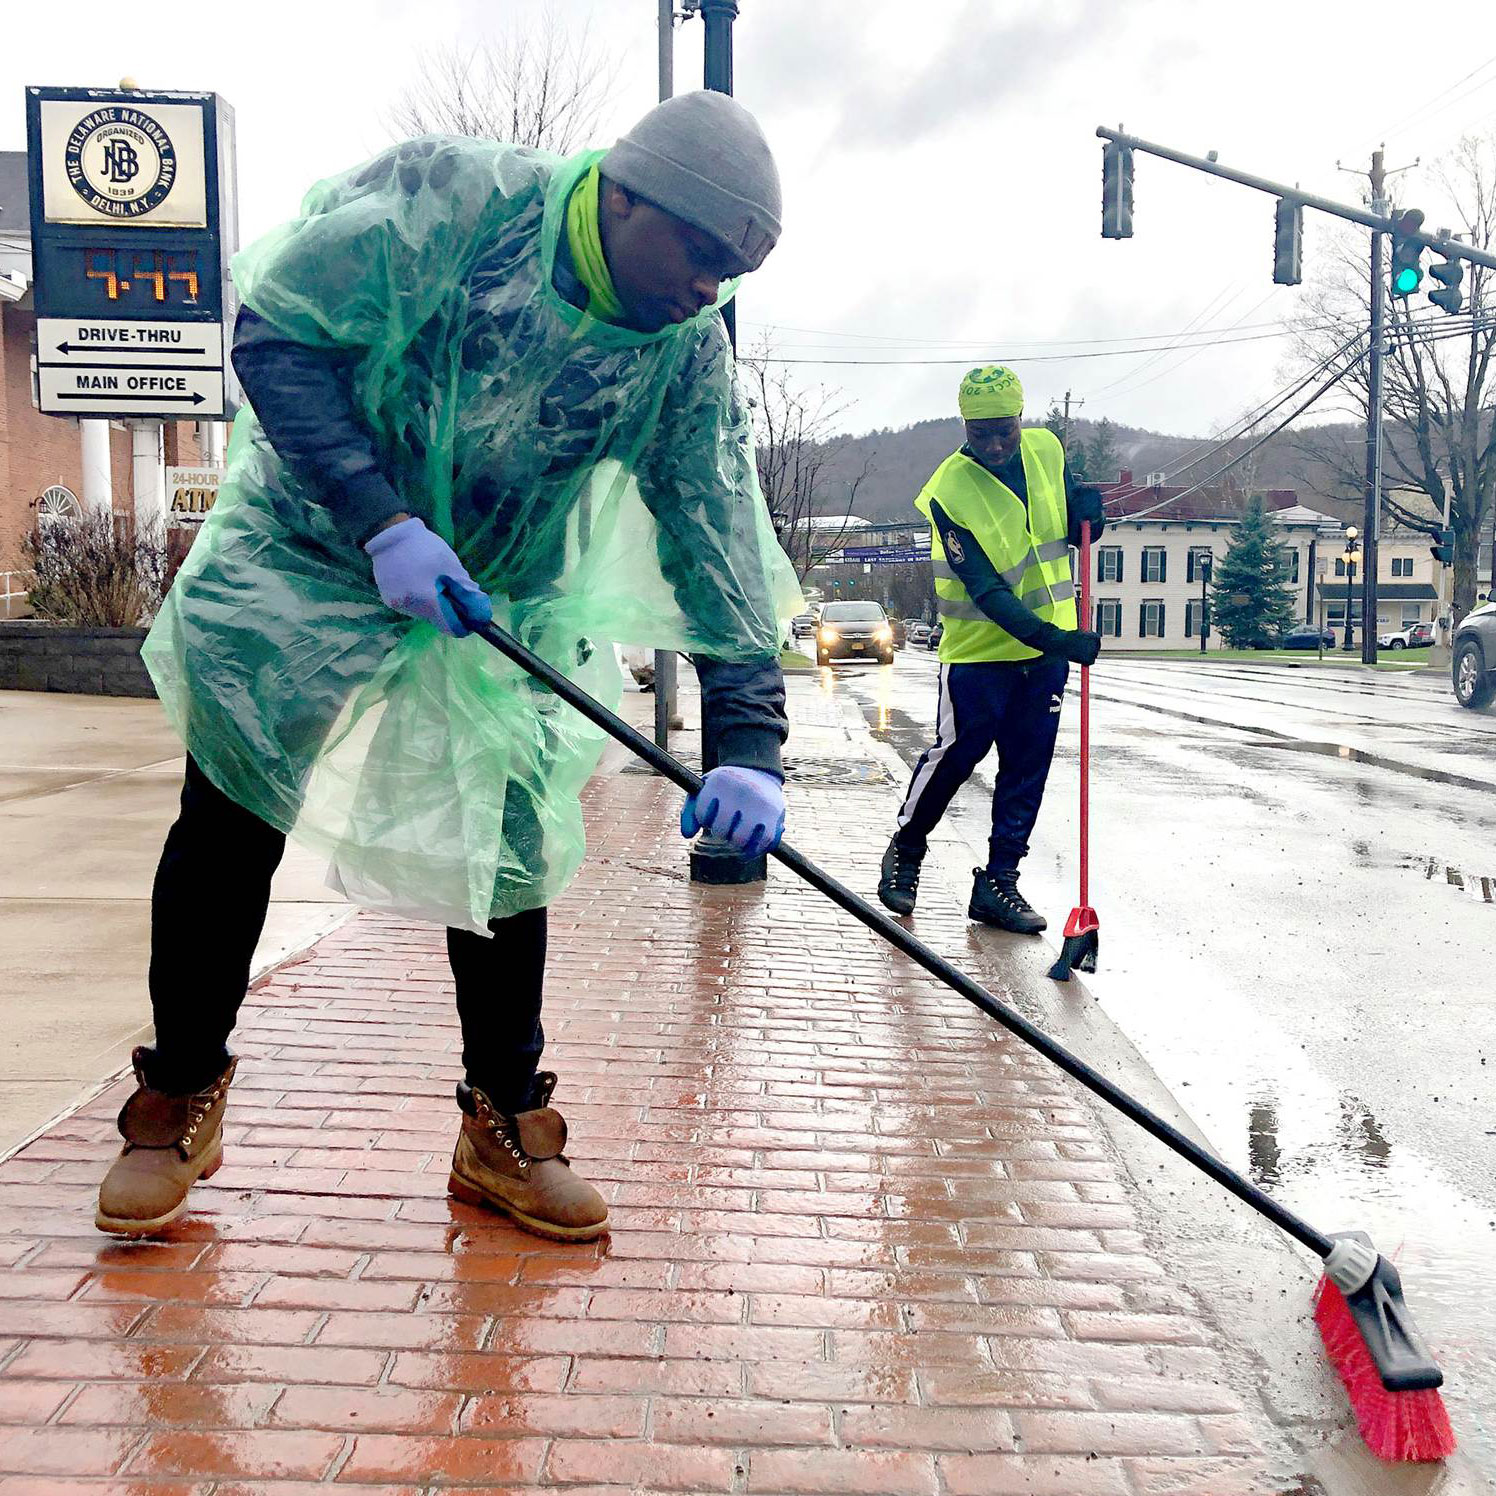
pixel 745 807
pixel 413 566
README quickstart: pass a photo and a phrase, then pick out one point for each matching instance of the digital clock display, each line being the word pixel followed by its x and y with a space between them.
pixel 163 276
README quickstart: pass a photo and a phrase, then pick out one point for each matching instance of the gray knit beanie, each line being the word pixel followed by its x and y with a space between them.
pixel 702 157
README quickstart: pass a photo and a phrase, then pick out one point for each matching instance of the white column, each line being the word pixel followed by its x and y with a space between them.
pixel 148 472
pixel 98 483
pixel 217 435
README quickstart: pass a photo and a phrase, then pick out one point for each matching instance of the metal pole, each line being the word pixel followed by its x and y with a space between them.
pixel 1204 602
pixel 664 660
pixel 1371 519
pixel 717 17
pixel 1350 592
pixel 667 49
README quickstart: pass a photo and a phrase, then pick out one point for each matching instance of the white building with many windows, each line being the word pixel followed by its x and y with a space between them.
pixel 1146 576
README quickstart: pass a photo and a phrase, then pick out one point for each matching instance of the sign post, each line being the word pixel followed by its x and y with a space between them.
pixel 134 218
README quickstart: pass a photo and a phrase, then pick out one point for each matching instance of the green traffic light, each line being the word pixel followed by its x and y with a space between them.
pixel 1405 282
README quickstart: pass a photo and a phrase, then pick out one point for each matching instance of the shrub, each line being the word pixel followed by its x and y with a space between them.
pixel 98 570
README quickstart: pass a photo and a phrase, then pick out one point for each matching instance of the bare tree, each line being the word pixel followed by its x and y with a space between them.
pixel 1439 439
pixel 544 88
pixel 797 448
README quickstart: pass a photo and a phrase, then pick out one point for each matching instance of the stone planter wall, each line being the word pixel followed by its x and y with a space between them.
pixel 54 657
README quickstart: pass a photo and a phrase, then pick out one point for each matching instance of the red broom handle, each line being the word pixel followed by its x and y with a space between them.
pixel 1085 721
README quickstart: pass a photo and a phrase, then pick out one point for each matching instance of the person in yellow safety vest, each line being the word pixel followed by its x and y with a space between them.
pixel 1003 512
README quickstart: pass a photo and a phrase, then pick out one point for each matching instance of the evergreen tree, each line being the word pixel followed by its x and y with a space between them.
pixel 1251 600
pixel 1100 460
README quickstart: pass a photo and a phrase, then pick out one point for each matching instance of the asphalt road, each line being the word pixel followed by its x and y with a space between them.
pixel 1295 875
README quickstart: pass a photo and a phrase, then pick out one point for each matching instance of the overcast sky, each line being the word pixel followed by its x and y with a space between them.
pixel 941 171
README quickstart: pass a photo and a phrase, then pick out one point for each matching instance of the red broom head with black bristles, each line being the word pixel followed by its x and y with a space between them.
pixel 1389 1375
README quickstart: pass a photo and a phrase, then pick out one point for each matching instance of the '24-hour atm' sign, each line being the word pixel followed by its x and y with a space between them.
pixel 133 220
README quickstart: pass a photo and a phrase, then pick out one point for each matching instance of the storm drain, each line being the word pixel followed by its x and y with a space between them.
pixel 822 773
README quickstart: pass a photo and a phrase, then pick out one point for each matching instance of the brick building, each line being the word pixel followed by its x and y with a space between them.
pixel 43 455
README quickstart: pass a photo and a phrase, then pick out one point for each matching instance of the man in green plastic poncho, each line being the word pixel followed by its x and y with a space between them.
pixel 485 382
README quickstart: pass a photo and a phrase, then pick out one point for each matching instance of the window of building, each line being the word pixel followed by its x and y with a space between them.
pixel 1150 620
pixel 1109 563
pixel 1293 566
pixel 1192 611
pixel 1335 614
pixel 1340 566
pixel 1109 618
pixel 1402 566
pixel 1155 563
pixel 1411 613
pixel 1192 560
pixel 58 503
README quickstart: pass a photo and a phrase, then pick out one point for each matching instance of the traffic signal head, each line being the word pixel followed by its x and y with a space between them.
pixel 1116 191
pixel 1442 549
pixel 1288 243
pixel 1449 274
pixel 1407 253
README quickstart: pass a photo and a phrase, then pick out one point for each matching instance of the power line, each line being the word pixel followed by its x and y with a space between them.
pixel 1242 456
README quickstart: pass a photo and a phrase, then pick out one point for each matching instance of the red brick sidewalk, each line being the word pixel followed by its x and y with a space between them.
pixel 862 1242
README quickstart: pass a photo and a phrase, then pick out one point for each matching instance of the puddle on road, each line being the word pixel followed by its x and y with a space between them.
pixel 1477 886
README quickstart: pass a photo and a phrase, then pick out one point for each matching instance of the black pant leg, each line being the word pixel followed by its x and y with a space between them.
pixel 964 727
pixel 208 907
pixel 499 988
pixel 1026 731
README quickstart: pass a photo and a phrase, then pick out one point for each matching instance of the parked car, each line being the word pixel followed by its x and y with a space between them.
pixel 933 641
pixel 1473 662
pixel 854 631
pixel 1407 638
pixel 918 632
pixel 1307 636
pixel 803 625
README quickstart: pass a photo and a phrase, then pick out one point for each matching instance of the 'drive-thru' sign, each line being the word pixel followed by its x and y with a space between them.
pixel 133 220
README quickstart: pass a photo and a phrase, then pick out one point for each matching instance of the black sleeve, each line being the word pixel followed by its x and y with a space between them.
pixel 693 482
pixel 988 590
pixel 1082 502
pixel 742 704
pixel 301 396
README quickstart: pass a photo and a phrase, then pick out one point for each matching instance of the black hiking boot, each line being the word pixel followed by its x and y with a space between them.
pixel 995 900
pixel 898 882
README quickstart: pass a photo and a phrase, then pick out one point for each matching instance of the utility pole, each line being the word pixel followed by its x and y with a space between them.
pixel 1371 522
pixel 1065 429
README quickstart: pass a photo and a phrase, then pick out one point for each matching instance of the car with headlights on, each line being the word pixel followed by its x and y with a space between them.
pixel 854 631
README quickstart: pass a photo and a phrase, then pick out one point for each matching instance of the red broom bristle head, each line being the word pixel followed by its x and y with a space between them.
pixel 1395 1425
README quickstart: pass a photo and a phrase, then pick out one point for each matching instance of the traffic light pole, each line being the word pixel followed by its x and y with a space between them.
pixel 1442 244
pixel 1371 517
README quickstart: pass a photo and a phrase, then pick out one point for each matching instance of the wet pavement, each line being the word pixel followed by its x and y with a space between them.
pixel 861 1241
pixel 1293 870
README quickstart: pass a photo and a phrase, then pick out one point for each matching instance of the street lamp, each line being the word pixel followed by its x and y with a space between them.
pixel 1352 549
pixel 1205 564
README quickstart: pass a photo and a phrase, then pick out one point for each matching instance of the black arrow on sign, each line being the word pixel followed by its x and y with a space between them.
pixel 193 399
pixel 116 348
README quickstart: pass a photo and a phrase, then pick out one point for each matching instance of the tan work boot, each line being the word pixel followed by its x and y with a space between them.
pixel 515 1164
pixel 170 1143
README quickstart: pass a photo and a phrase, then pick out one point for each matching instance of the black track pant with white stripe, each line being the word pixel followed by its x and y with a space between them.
pixel 1014 707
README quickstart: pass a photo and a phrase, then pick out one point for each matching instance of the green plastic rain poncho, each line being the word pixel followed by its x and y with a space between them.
pixel 598 482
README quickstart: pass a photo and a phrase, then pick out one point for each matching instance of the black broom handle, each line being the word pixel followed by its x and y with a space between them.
pixel 896 935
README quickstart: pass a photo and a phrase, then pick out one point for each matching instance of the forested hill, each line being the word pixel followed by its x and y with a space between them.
pixel 899 462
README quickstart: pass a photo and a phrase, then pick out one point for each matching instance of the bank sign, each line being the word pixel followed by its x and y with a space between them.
pixel 133 220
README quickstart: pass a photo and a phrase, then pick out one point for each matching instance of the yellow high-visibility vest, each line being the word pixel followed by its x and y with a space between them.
pixel 1028 547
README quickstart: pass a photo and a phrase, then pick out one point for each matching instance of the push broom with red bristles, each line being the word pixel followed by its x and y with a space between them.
pixel 1369 1334
pixel 1082 929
